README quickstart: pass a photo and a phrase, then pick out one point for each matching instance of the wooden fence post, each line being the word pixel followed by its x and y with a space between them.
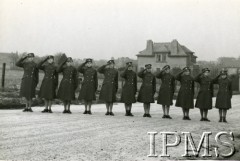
pixel 3 74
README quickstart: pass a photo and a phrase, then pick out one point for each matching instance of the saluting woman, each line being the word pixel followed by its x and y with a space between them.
pixel 69 83
pixel 109 86
pixel 30 79
pixel 147 90
pixel 129 89
pixel 166 92
pixel 205 94
pixel 224 96
pixel 89 85
pixel 49 82
pixel 186 93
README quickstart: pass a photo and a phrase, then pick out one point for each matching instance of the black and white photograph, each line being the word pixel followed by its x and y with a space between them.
pixel 119 80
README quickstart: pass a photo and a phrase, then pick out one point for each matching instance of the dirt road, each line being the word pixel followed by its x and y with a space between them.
pixel 57 136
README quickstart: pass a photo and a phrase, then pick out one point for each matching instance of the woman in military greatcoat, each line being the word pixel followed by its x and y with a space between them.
pixel 109 86
pixel 147 90
pixel 69 83
pixel 166 92
pixel 186 92
pixel 29 81
pixel 89 85
pixel 49 82
pixel 224 95
pixel 129 89
pixel 205 94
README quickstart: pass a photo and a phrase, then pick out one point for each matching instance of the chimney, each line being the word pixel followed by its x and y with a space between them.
pixel 174 47
pixel 149 47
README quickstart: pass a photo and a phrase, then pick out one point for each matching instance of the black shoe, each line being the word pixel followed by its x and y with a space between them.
pixel 202 119
pixel 25 110
pixel 164 116
pixel 65 111
pixel 188 118
pixel 221 119
pixel 50 111
pixel 130 114
pixel 169 117
pixel 45 110
pixel 224 120
pixel 107 113
pixel 184 118
pixel 30 110
pixel 85 112
pixel 148 115
pixel 89 112
pixel 206 119
pixel 145 115
pixel 111 113
pixel 69 112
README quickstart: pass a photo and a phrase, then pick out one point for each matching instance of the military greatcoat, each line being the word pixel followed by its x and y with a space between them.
pixel 224 95
pixel 130 87
pixel 30 78
pixel 166 92
pixel 148 87
pixel 89 84
pixel 186 92
pixel 50 80
pixel 205 94
pixel 69 83
pixel 110 84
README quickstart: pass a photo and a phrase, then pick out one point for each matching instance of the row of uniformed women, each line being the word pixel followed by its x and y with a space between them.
pixel 69 83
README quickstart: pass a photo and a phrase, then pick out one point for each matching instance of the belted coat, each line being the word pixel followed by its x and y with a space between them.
pixel 109 85
pixel 186 92
pixel 148 87
pixel 224 95
pixel 166 91
pixel 89 84
pixel 30 78
pixel 49 82
pixel 69 82
pixel 205 94
pixel 129 89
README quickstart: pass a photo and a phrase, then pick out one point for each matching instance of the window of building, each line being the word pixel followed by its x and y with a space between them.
pixel 161 57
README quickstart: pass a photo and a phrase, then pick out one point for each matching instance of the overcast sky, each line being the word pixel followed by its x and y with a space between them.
pixel 102 29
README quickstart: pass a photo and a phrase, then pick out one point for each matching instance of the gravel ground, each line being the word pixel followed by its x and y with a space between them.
pixel 57 136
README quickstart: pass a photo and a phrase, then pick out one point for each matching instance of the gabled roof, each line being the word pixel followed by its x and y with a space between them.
pixel 174 48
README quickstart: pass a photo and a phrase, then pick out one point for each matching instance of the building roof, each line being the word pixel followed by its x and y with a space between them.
pixel 174 48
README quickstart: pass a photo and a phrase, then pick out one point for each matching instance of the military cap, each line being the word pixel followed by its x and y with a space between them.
pixel 224 72
pixel 69 59
pixel 205 69
pixel 148 66
pixel 30 55
pixel 166 67
pixel 186 68
pixel 50 57
pixel 129 64
pixel 111 62
pixel 89 60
